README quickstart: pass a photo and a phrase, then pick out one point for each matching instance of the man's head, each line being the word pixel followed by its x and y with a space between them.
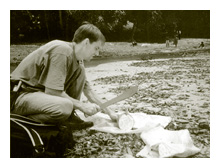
pixel 88 31
pixel 89 39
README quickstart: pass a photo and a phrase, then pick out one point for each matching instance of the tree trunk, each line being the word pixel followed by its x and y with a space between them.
pixel 61 23
pixel 47 25
pixel 67 28
pixel 148 33
pixel 134 31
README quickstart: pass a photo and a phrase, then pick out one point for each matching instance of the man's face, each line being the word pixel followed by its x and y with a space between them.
pixel 92 49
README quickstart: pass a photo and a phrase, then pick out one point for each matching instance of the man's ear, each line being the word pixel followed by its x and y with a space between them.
pixel 87 41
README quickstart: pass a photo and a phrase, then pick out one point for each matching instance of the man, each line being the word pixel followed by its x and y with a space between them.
pixel 53 79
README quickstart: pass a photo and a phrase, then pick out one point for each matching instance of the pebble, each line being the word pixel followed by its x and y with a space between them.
pixel 204 125
pixel 182 121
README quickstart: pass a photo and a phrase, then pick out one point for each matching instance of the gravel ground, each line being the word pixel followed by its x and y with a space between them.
pixel 176 87
pixel 172 82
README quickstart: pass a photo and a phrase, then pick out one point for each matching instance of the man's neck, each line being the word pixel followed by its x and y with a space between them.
pixel 78 49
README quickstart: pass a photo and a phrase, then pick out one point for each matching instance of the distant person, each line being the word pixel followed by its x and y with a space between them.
pixel 201 45
pixel 53 79
pixel 167 41
pixel 134 43
pixel 179 34
pixel 175 41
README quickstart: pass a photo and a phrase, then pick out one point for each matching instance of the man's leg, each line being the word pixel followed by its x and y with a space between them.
pixel 43 107
pixel 53 109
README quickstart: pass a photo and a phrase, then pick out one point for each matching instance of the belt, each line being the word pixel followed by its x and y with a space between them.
pixel 17 89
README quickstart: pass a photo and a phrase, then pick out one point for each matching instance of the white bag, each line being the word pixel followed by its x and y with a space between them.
pixel 164 143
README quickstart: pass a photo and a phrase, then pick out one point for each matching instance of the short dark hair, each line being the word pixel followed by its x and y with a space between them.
pixel 90 31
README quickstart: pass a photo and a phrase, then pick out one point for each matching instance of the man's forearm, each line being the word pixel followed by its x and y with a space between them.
pixel 94 98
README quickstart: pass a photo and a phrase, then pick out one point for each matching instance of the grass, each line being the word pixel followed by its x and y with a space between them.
pixel 121 49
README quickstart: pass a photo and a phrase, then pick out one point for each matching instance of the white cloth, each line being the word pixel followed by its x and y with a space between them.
pixel 164 143
pixel 103 123
pixel 159 142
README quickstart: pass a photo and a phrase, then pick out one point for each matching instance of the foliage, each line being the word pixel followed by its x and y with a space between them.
pixel 148 25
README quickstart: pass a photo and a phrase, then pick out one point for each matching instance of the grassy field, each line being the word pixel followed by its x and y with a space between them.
pixel 122 50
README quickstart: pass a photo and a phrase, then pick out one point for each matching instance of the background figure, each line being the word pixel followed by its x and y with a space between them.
pixel 179 34
pixel 175 41
pixel 134 43
pixel 167 39
pixel 201 45
pixel 167 42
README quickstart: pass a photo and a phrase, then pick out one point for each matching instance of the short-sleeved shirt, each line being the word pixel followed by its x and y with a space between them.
pixel 52 65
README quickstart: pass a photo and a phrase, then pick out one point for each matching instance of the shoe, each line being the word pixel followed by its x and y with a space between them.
pixel 75 118
pixel 76 123
pixel 77 126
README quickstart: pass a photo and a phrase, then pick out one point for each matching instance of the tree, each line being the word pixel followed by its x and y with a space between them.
pixel 148 25
pixel 110 22
pixel 47 25
pixel 23 23
pixel 145 21
pixel 195 23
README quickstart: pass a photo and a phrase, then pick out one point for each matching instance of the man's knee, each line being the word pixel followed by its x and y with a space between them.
pixel 64 110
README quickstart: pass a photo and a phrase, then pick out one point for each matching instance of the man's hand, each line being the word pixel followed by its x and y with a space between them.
pixel 111 114
pixel 89 108
pixel 94 98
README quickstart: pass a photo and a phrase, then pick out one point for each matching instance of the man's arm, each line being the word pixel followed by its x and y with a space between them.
pixel 89 109
pixel 94 98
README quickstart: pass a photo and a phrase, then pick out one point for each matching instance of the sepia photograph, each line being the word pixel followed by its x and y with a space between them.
pixel 109 83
